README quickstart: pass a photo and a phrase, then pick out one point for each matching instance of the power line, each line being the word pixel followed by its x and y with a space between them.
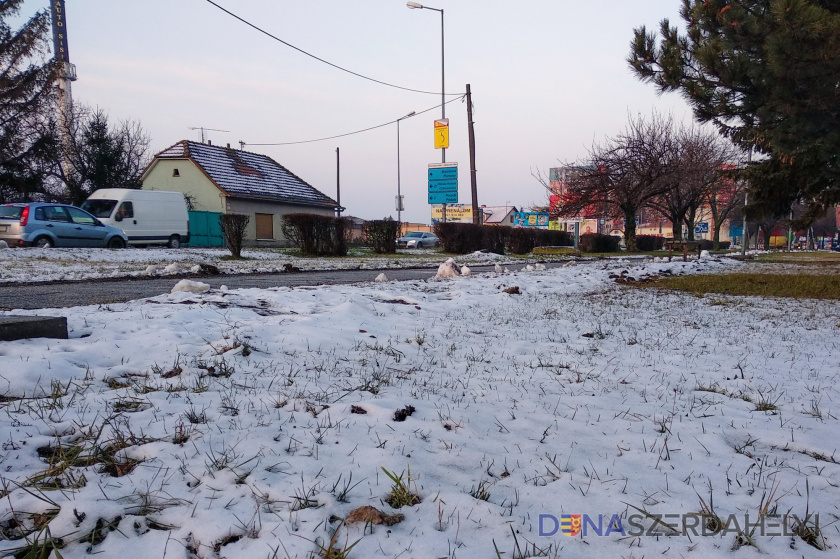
pixel 348 133
pixel 278 39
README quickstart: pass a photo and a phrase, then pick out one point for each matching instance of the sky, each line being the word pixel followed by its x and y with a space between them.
pixel 548 77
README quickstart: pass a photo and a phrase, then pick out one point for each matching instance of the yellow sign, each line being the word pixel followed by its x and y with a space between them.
pixel 455 213
pixel 442 133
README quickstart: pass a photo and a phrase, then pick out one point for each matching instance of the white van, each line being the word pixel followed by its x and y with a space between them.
pixel 148 217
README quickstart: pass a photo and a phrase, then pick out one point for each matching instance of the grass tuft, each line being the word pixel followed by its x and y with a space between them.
pixel 401 494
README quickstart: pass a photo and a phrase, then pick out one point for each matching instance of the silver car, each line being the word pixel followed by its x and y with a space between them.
pixel 55 225
pixel 418 239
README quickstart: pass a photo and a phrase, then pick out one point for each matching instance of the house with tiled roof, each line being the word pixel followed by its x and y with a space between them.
pixel 498 215
pixel 217 180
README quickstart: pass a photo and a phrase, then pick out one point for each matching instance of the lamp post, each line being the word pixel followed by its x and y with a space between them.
pixel 415 6
pixel 399 193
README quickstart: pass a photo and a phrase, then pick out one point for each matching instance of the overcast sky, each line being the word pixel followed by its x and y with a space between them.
pixel 548 77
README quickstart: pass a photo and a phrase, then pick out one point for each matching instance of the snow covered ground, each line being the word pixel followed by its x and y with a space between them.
pixel 69 264
pixel 248 423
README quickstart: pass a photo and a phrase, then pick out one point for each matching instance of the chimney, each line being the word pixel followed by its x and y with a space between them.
pixel 209 143
pixel 228 146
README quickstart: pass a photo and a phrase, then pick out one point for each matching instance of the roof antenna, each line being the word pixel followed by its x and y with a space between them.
pixel 241 145
pixel 203 129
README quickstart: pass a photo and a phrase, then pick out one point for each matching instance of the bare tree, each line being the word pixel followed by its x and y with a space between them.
pixel 725 199
pixel 233 228
pixel 622 175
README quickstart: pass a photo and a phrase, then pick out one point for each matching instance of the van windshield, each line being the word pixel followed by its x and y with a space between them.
pixel 99 208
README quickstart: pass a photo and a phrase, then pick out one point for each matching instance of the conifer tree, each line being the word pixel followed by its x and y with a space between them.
pixel 26 75
pixel 767 74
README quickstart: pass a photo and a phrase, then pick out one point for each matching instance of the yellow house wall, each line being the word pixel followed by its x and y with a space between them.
pixel 200 191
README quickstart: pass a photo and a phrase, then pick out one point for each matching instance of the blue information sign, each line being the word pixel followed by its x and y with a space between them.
pixel 443 186
pixel 443 197
pixel 443 173
pixel 443 183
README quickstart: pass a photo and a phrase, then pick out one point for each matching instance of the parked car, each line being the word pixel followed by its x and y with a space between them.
pixel 55 225
pixel 418 239
pixel 148 217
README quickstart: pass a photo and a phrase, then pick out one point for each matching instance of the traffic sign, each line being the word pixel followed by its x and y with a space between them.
pixel 443 186
pixel 443 183
pixel 442 133
pixel 443 197
pixel 443 173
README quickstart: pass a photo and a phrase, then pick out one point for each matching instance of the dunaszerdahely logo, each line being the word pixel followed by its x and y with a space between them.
pixel 688 524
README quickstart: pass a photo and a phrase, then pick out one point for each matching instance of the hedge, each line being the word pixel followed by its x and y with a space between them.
pixel 316 235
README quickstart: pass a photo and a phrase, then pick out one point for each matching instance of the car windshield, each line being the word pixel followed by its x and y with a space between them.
pixel 10 212
pixel 99 208
pixel 414 234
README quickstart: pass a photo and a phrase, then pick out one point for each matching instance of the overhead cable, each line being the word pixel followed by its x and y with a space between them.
pixel 336 66
pixel 348 133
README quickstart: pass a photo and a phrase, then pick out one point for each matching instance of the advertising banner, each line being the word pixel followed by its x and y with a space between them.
pixel 455 213
pixel 59 25
pixel 530 219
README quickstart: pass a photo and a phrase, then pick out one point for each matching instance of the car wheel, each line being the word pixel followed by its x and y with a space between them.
pixel 174 242
pixel 43 242
pixel 116 242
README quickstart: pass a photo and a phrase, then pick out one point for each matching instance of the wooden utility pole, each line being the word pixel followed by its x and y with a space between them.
pixel 474 188
pixel 338 181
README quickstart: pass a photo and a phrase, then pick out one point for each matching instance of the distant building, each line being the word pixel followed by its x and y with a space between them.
pixel 498 215
pixel 217 180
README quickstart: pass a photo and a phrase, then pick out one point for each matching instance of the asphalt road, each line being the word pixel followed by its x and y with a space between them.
pixel 94 292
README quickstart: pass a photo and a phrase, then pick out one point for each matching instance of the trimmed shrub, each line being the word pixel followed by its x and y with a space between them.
pixel 381 235
pixel 595 242
pixel 522 240
pixel 648 243
pixel 233 228
pixel 460 238
pixel 496 238
pixel 316 235
pixel 546 238
pixel 706 244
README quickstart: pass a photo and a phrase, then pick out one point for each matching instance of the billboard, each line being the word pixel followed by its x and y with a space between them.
pixel 530 219
pixel 455 213
pixel 59 25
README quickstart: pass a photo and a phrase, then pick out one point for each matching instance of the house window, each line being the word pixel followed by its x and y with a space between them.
pixel 175 173
pixel 265 226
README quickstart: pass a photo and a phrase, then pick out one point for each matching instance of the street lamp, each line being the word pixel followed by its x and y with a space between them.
pixel 414 6
pixel 399 194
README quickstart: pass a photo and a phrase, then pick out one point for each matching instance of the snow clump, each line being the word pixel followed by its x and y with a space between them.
pixel 381 278
pixel 465 271
pixel 190 286
pixel 447 270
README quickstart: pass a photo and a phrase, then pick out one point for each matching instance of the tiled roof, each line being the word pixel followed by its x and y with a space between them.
pixel 495 214
pixel 250 175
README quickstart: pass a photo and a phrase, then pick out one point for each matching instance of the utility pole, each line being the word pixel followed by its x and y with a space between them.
pixel 338 181
pixel 471 134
